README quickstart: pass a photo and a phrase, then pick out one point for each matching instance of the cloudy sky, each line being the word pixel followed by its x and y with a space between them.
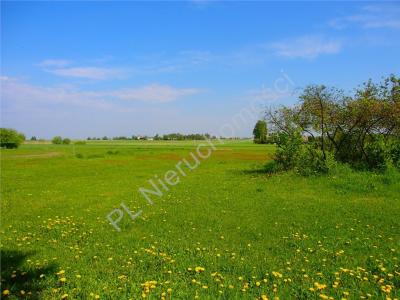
pixel 81 69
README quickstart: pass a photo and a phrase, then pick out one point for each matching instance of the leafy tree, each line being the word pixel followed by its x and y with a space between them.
pixel 66 141
pixel 260 132
pixel 57 140
pixel 33 138
pixel 10 138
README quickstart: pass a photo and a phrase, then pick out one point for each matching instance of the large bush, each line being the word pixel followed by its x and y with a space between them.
pixel 10 138
pixel 57 140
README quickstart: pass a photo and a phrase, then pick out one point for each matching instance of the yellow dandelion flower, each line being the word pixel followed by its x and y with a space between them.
pixel 199 269
pixel 65 296
pixel 6 292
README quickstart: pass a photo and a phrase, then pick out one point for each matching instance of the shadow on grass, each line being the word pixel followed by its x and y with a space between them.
pixel 15 279
pixel 267 169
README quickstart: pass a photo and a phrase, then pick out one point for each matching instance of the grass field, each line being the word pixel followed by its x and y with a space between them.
pixel 227 230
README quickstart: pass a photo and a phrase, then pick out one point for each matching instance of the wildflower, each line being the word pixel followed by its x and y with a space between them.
pixel 65 296
pixel 169 291
pixel 199 269
pixel 277 274
pixel 6 292
pixel 258 283
pixel 63 280
pixel 386 289
pixel 319 286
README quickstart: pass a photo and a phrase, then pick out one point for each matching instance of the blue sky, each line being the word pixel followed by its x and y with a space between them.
pixel 81 69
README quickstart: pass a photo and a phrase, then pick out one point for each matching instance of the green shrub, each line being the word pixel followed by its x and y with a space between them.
pixel 289 147
pixel 272 167
pixel 394 152
pixel 66 141
pixel 311 161
pixel 57 140
pixel 376 154
pixel 10 138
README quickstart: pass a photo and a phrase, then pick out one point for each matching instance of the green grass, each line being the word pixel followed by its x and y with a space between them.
pixel 254 234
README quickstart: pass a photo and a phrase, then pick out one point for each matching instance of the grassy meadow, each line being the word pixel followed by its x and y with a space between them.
pixel 227 230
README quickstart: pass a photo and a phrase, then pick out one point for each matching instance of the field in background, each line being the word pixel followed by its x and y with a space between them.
pixel 227 230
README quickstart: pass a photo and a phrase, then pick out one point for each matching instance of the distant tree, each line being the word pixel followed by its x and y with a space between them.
pixel 33 138
pixel 66 141
pixel 105 138
pixel 260 132
pixel 10 138
pixel 57 140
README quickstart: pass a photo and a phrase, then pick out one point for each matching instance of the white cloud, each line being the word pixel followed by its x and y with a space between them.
pixel 153 93
pixel 89 72
pixel 23 95
pixel 54 63
pixel 306 47
pixel 371 17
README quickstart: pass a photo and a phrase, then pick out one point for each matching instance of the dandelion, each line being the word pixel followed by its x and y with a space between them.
pixel 199 269
pixel 63 280
pixel 277 274
pixel 65 296
pixel 6 292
